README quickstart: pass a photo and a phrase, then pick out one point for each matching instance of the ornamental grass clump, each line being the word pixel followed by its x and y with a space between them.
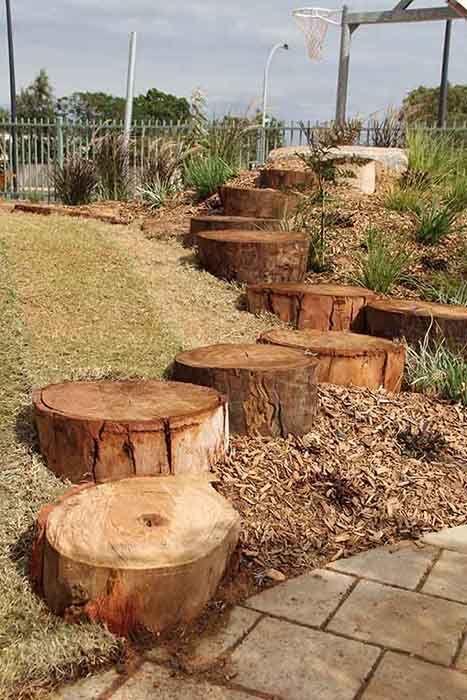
pixel 75 181
pixel 205 173
pixel 385 264
pixel 435 221
pixel 434 369
pixel 162 175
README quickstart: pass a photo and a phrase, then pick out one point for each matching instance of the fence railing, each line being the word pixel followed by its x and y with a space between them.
pixel 39 145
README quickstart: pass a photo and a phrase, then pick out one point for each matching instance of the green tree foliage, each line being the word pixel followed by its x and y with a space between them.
pixel 422 104
pixel 161 106
pixel 91 106
pixel 4 114
pixel 36 101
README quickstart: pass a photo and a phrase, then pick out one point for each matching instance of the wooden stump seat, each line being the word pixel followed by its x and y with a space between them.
pixel 324 307
pixel 136 553
pixel 284 179
pixel 348 359
pixel 271 390
pixel 260 203
pixel 413 319
pixel 198 224
pixel 106 430
pixel 250 256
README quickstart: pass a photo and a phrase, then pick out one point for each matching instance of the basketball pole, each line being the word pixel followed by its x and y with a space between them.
pixel 276 47
pixel 444 86
pixel 130 89
pixel 344 63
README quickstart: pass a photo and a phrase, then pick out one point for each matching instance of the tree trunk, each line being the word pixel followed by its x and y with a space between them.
pixel 324 307
pixel 348 359
pixel 199 224
pixel 252 256
pixel 102 431
pixel 271 390
pixel 413 319
pixel 265 204
pixel 142 552
pixel 283 179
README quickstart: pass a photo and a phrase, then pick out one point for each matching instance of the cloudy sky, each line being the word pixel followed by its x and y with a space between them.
pixel 221 47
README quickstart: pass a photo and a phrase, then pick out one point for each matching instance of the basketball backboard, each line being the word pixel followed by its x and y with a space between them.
pixel 459 6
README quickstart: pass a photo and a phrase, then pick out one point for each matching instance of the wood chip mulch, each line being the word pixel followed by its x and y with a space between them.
pixel 376 468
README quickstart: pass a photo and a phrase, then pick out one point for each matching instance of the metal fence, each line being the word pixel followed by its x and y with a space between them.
pixel 40 145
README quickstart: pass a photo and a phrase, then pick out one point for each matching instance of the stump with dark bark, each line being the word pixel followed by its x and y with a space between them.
pixel 324 307
pixel 199 224
pixel 260 203
pixel 102 431
pixel 412 320
pixel 250 256
pixel 284 179
pixel 348 359
pixel 271 390
pixel 136 553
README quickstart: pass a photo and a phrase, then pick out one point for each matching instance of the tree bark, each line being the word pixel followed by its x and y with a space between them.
pixel 142 552
pixel 284 179
pixel 413 320
pixel 347 359
pixel 102 431
pixel 324 307
pixel 199 224
pixel 252 256
pixel 271 390
pixel 261 203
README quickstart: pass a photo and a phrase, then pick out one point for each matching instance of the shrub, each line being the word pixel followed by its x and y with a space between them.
pixel 446 289
pixel 111 157
pixel 435 222
pixel 205 173
pixel 434 369
pixel 75 182
pixel 385 263
pixel 403 199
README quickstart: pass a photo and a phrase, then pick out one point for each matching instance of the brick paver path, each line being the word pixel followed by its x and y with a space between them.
pixel 389 624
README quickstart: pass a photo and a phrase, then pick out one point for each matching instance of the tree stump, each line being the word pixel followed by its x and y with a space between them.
pixel 323 307
pixel 412 320
pixel 284 179
pixel 260 203
pixel 348 359
pixel 102 431
pixel 249 256
pixel 271 390
pixel 199 224
pixel 142 552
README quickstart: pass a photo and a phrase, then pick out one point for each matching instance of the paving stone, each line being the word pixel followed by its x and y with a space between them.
pixel 296 663
pixel 239 622
pixel 152 682
pixel 400 677
pixel 308 599
pixel 87 688
pixel 404 566
pixel 412 622
pixel 449 577
pixel 452 538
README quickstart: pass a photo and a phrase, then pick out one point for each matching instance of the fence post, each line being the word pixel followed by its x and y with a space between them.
pixel 59 139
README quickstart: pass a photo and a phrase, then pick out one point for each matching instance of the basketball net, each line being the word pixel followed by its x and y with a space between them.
pixel 314 23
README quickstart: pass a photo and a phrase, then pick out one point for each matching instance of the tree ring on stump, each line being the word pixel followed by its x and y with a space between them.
pixel 271 390
pixel 106 430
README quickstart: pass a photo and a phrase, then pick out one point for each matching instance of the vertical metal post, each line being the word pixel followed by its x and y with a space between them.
pixel 130 88
pixel 344 60
pixel 444 86
pixel 261 156
pixel 11 58
pixel 59 138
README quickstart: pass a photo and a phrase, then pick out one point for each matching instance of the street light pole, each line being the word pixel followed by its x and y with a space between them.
pixel 275 48
pixel 11 58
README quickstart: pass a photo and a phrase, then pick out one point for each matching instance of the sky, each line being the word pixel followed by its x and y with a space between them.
pixel 221 47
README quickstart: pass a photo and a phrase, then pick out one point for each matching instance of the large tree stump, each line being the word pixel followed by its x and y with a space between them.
pixel 324 307
pixel 102 431
pixel 412 320
pixel 348 359
pixel 260 203
pixel 142 552
pixel 286 179
pixel 199 224
pixel 271 390
pixel 250 256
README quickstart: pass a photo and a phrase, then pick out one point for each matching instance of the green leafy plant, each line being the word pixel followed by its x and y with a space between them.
pixel 435 221
pixel 111 157
pixel 205 173
pixel 403 199
pixel 75 182
pixel 456 196
pixel 446 289
pixel 385 263
pixel 434 369
pixel 432 156
pixel 389 130
pixel 162 175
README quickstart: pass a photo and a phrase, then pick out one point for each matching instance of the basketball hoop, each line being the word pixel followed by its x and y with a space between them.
pixel 314 23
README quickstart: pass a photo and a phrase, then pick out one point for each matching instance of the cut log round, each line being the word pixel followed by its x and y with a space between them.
pixel 260 203
pixel 348 359
pixel 323 307
pixel 271 390
pixel 142 552
pixel 200 224
pixel 102 431
pixel 249 256
pixel 283 179
pixel 412 320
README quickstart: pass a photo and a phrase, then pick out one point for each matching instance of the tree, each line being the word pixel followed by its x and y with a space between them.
pixel 421 104
pixel 91 106
pixel 4 114
pixel 37 100
pixel 162 106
